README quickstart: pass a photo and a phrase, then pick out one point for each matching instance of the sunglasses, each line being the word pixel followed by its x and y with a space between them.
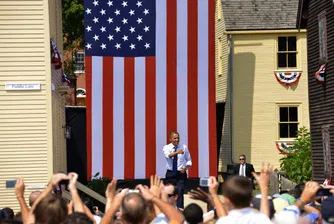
pixel 242 159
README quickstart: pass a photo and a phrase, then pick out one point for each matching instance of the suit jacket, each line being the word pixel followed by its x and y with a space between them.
pixel 249 170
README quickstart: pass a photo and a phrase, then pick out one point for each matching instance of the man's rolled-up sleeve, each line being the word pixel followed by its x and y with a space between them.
pixel 187 156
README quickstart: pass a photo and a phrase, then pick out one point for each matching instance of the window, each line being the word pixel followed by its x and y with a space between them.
pixel 81 92
pixel 79 58
pixel 287 52
pixel 220 56
pixel 288 121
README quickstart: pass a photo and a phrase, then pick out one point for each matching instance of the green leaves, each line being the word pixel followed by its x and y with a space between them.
pixel 73 22
pixel 297 164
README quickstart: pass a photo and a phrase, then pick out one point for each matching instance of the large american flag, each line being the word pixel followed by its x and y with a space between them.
pixel 150 69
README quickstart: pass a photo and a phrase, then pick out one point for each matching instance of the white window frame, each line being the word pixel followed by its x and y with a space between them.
pixel 81 62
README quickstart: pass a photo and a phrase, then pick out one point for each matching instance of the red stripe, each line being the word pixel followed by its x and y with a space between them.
pixel 193 85
pixel 171 67
pixel 212 93
pixel 107 125
pixel 129 118
pixel 150 116
pixel 88 74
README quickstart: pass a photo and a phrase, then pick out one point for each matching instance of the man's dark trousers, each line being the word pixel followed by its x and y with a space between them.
pixel 178 180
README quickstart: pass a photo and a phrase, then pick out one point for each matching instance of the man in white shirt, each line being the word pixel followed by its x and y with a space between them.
pixel 178 162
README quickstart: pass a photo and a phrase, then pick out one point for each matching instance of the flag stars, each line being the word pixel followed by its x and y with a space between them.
pixel 147 45
pixel 132 12
pixel 110 20
pixel 146 11
pixel 103 29
pixel 103 12
pixel 88 46
pixel 146 28
pixel 88 11
pixel 96 3
pixel 118 46
pixel 118 29
pixel 132 29
pixel 89 28
pixel 132 46
pixel 124 21
pixel 139 3
pixel 103 46
pixel 139 20
pixel 139 37
pixel 111 37
pixel 96 20
pixel 124 3
pixel 125 38
pixel 96 37
pixel 110 3
pixel 117 12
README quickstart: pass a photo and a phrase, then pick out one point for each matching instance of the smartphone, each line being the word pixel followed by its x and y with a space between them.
pixel 324 192
pixel 204 182
pixel 10 183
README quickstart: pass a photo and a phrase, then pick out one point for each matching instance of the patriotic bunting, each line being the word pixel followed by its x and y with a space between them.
pixel 288 78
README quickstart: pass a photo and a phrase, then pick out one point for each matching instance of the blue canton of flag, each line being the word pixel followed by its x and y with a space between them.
pixel 120 28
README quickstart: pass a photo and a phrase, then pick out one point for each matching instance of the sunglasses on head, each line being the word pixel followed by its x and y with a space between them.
pixel 242 159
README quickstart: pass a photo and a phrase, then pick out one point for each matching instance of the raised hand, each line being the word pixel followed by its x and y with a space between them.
pixel 73 177
pixel 19 187
pixel 213 185
pixel 145 192
pixel 56 178
pixel 155 185
pixel 111 189
pixel 264 177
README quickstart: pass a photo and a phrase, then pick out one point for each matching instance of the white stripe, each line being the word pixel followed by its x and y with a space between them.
pixel 182 70
pixel 97 79
pixel 160 47
pixel 118 129
pixel 203 89
pixel 140 146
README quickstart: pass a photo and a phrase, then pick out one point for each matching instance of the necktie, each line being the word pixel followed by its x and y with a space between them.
pixel 175 162
pixel 242 170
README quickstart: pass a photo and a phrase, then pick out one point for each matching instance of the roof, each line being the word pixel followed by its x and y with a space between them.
pixel 260 14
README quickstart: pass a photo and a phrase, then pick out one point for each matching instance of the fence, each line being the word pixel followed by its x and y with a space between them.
pixel 278 182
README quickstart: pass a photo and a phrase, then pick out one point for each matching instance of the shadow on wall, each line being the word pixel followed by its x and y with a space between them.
pixel 243 91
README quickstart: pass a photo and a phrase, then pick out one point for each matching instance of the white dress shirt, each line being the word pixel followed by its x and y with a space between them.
pixel 242 167
pixel 244 216
pixel 182 159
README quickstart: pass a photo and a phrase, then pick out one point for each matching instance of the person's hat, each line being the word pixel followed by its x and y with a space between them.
pixel 280 204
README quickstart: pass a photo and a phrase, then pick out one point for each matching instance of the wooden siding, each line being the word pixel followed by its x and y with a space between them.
pixel 320 97
pixel 221 85
pixel 257 93
pixel 58 100
pixel 25 139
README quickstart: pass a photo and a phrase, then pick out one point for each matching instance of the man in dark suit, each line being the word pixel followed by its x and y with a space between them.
pixel 244 169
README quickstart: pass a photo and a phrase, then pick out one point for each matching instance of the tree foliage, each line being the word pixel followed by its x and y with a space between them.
pixel 73 23
pixel 297 164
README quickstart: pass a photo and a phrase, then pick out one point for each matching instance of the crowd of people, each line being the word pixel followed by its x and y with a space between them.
pixel 162 202
pixel 157 203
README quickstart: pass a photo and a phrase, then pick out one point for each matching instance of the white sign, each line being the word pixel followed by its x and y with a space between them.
pixel 23 86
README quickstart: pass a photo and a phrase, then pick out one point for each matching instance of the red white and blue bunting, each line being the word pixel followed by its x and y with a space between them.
pixel 284 147
pixel 321 74
pixel 56 59
pixel 287 78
